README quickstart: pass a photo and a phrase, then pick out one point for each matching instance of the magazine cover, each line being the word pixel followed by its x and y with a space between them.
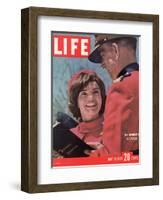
pixel 95 99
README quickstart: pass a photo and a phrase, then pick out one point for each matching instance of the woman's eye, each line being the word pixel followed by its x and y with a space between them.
pixel 83 93
pixel 96 92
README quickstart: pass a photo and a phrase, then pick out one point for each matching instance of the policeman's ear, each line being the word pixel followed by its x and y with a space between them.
pixel 116 51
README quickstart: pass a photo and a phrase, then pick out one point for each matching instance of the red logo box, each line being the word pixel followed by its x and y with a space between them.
pixel 70 46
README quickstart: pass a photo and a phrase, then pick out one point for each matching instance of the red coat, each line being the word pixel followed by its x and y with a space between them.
pixel 121 117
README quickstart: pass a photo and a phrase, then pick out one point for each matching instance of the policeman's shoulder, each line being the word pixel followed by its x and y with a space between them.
pixel 122 77
pixel 127 82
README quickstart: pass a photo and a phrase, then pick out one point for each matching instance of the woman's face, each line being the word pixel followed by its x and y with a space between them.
pixel 90 101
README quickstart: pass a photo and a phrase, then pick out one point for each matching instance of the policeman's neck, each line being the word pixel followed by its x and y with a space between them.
pixel 119 68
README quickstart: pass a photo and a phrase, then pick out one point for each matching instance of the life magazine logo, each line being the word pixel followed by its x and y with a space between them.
pixel 70 46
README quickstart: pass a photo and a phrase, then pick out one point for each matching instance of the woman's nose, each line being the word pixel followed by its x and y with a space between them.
pixel 90 97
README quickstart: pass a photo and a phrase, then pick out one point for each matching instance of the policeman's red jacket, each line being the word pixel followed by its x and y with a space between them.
pixel 121 117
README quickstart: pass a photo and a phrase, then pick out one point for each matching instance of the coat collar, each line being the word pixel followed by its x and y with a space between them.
pixel 128 69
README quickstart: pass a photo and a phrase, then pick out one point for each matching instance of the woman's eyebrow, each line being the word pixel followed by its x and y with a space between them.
pixel 96 88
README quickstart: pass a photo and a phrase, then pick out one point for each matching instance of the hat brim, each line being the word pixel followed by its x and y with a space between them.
pixel 95 55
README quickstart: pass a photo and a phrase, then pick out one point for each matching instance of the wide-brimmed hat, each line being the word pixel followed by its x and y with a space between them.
pixel 99 41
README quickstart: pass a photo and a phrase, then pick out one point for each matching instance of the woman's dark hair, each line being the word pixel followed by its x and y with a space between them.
pixel 76 85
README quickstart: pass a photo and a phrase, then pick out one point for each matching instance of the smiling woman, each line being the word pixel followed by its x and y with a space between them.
pixel 89 102
pixel 86 102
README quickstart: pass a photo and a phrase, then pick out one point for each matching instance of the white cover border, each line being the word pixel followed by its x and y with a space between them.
pixel 48 175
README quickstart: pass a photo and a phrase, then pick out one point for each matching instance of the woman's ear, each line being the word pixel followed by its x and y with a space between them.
pixel 116 51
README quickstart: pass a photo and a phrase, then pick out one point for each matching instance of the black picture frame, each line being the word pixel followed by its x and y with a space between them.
pixel 29 135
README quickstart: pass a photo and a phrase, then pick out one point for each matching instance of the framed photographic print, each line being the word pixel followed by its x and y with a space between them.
pixel 90 99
